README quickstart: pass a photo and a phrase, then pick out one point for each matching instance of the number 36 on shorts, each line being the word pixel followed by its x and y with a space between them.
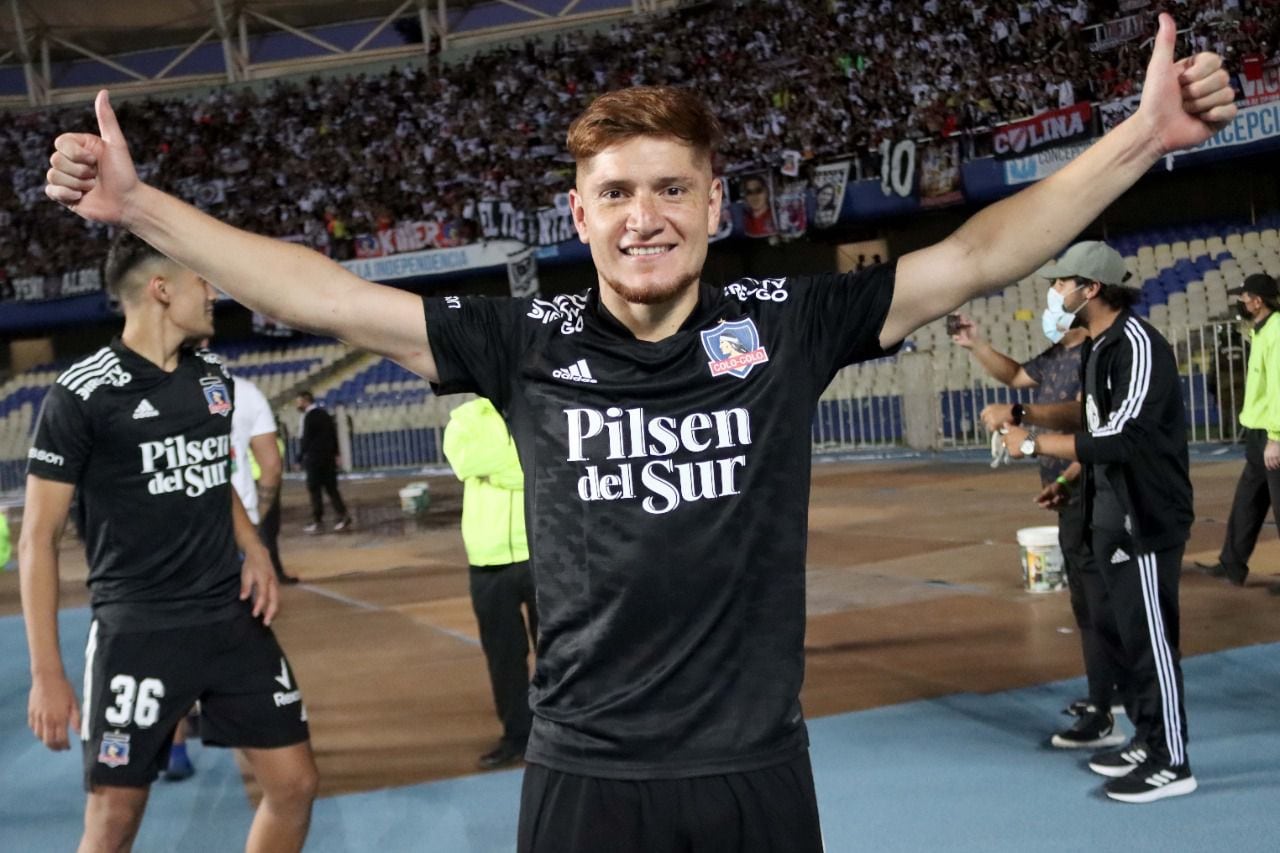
pixel 136 700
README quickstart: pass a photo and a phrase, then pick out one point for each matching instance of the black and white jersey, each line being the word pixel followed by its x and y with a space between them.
pixel 667 491
pixel 149 454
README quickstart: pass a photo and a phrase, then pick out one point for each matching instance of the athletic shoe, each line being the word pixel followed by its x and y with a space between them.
pixel 1119 762
pixel 312 529
pixel 180 766
pixel 343 524
pixel 502 755
pixel 1235 575
pixel 1093 729
pixel 1151 781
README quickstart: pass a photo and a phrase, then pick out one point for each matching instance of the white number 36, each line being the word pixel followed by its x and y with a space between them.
pixel 136 701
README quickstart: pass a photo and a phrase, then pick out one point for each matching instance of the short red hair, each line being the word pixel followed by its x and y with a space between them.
pixel 660 111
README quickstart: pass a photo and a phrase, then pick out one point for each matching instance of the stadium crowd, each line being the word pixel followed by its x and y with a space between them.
pixel 328 158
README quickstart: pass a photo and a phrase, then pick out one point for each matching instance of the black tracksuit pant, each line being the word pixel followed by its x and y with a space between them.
pixel 1100 644
pixel 269 533
pixel 497 593
pixel 1143 588
pixel 1257 493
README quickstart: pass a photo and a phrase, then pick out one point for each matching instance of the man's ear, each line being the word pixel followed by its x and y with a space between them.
pixel 158 289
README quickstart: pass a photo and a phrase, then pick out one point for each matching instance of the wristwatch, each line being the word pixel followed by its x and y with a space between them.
pixel 1016 413
pixel 1028 446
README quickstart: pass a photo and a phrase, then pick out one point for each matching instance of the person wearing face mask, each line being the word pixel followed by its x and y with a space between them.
pixel 1130 437
pixel 1055 376
pixel 1259 486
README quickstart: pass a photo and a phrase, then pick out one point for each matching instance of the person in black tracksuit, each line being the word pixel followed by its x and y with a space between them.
pixel 1137 491
pixel 318 453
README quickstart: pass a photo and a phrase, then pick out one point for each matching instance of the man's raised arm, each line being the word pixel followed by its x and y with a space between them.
pixel 1184 102
pixel 94 176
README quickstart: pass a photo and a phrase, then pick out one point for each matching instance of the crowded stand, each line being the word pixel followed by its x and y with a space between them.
pixel 407 145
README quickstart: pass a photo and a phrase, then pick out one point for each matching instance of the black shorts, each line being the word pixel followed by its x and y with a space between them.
pixel 772 810
pixel 139 684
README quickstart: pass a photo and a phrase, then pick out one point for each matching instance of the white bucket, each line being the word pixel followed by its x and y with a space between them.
pixel 415 498
pixel 1041 559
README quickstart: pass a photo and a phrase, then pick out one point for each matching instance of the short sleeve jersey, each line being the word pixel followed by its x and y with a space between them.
pixel 149 453
pixel 667 490
pixel 1056 372
pixel 252 417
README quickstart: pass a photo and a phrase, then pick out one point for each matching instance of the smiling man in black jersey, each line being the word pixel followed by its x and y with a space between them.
pixel 668 476
pixel 139 432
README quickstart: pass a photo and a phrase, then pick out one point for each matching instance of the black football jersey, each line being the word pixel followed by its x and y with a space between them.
pixel 667 490
pixel 149 453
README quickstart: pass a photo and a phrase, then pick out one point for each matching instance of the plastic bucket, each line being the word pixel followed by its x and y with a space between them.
pixel 415 498
pixel 1041 559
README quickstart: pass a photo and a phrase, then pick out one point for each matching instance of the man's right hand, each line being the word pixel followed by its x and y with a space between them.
pixel 996 416
pixel 1053 496
pixel 966 334
pixel 94 175
pixel 51 708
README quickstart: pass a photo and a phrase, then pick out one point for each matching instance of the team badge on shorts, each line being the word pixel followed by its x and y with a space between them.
pixel 215 394
pixel 114 751
pixel 734 348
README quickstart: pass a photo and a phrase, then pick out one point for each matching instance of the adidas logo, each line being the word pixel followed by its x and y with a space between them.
pixel 145 410
pixel 576 372
pixel 1119 557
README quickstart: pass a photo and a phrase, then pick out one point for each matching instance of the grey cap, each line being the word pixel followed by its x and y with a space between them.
pixel 1091 259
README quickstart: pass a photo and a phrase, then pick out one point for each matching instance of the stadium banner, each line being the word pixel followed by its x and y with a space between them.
pixel 829 182
pixel 940 181
pixel 792 210
pixel 1116 32
pixel 409 237
pixel 1047 130
pixel 38 288
pixel 1257 83
pixel 1256 127
pixel 522 272
pixel 755 205
pixel 475 256
pixel 1027 170
pixel 542 227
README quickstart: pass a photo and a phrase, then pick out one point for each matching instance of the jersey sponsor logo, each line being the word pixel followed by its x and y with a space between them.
pixel 46 457
pixel 192 466
pixel 87 376
pixel 624 437
pixel 114 751
pixel 576 372
pixel 144 409
pixel 565 309
pixel 454 302
pixel 734 348
pixel 215 394
pixel 764 289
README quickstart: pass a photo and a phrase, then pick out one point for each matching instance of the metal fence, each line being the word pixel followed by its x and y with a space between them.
pixel 874 407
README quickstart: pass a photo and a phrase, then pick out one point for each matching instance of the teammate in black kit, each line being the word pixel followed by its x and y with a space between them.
pixel 140 431
pixel 668 481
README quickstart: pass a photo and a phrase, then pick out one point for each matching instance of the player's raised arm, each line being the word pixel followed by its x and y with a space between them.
pixel 94 176
pixel 1184 102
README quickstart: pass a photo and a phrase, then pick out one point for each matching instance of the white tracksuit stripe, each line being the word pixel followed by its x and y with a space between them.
pixel 1163 657
pixel 1139 379
pixel 86 710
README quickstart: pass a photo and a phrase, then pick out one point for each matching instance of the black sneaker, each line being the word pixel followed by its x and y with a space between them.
pixel 501 756
pixel 1119 762
pixel 1235 575
pixel 1093 729
pixel 1153 780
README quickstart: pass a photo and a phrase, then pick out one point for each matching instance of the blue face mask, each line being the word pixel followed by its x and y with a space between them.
pixel 1056 319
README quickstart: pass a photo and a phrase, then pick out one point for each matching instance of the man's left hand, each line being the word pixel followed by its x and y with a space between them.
pixel 258 579
pixel 1271 455
pixel 1184 101
pixel 1013 439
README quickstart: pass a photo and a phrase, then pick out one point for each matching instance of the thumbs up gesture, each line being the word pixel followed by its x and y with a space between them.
pixel 1184 101
pixel 93 175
